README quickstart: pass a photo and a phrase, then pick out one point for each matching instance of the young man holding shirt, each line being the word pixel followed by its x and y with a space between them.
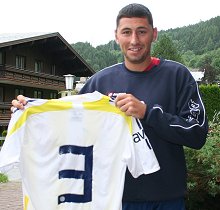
pixel 165 97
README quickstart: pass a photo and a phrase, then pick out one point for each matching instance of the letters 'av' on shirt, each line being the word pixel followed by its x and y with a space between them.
pixel 73 152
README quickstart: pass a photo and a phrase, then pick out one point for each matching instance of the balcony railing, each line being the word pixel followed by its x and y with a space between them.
pixel 30 78
pixel 5 114
pixel 5 104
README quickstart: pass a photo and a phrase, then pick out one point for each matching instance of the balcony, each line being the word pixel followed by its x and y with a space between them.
pixel 5 114
pixel 10 75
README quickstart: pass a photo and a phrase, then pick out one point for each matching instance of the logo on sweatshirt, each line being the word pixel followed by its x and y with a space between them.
pixel 194 111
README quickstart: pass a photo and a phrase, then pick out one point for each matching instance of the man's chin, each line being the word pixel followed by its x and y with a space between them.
pixel 135 60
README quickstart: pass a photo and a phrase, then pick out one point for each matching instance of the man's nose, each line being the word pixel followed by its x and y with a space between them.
pixel 134 38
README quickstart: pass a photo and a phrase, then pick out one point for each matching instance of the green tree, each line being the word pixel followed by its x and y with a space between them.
pixel 165 48
pixel 189 58
pixel 99 57
pixel 205 65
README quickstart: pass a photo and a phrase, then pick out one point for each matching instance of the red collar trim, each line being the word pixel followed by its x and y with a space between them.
pixel 154 62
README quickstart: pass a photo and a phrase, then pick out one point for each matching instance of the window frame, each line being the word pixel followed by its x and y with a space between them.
pixel 53 69
pixel 20 62
pixel 38 94
pixel 38 66
pixel 19 91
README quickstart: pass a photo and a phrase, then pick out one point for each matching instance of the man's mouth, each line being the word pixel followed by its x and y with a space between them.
pixel 135 49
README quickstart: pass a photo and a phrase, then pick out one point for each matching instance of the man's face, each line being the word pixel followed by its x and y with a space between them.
pixel 135 35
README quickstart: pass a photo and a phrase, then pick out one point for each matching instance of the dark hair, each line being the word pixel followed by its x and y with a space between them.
pixel 134 10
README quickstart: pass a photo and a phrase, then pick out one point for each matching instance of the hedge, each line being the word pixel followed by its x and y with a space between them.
pixel 211 98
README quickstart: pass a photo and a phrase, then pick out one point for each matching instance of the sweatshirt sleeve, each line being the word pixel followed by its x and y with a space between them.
pixel 90 86
pixel 188 127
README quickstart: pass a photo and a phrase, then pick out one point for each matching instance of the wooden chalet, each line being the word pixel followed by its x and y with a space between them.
pixel 34 65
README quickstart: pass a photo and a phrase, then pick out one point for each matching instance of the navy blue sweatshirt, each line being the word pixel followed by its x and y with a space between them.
pixel 175 118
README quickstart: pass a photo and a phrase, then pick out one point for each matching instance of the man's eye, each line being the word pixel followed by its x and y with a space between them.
pixel 126 32
pixel 142 32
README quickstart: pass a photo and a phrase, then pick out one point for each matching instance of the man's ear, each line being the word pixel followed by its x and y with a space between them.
pixel 116 38
pixel 155 34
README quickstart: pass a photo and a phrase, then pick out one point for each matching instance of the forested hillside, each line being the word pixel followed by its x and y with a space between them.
pixel 199 38
pixel 99 57
pixel 197 46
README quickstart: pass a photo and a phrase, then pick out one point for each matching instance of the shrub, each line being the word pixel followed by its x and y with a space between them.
pixel 204 170
pixel 3 178
pixel 4 133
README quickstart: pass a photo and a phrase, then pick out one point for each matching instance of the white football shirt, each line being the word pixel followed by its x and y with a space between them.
pixel 73 152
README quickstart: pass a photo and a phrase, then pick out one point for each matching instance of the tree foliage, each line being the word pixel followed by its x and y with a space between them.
pixel 199 38
pixel 99 57
pixel 165 48
pixel 198 42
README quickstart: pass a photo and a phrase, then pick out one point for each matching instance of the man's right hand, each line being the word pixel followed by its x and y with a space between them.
pixel 19 103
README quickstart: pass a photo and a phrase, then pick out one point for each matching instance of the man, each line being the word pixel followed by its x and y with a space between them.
pixel 164 95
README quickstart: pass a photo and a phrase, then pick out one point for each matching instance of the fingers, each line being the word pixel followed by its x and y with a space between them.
pixel 19 103
pixel 22 99
pixel 131 105
pixel 122 101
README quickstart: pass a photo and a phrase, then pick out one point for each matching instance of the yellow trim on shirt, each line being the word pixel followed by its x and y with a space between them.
pixel 104 105
pixel 56 105
pixel 51 105
pixel 26 201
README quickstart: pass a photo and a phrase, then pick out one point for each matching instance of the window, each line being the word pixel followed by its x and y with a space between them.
pixel 20 62
pixel 53 95
pixel 53 69
pixel 1 94
pixel 38 66
pixel 19 92
pixel 38 94
pixel 2 58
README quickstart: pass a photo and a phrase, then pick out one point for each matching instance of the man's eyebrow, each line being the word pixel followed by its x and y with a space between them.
pixel 140 27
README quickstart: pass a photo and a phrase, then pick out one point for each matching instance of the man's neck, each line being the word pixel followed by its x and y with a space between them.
pixel 138 67
pixel 144 66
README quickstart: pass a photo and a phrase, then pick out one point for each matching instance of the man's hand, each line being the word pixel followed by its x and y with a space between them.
pixel 131 105
pixel 19 103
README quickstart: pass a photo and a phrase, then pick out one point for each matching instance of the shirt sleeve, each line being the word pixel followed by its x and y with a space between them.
pixel 188 127
pixel 10 152
pixel 142 159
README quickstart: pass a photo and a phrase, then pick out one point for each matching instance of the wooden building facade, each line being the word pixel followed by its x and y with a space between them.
pixel 34 66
